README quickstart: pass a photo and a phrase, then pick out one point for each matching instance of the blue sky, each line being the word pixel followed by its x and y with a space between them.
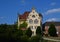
pixel 50 9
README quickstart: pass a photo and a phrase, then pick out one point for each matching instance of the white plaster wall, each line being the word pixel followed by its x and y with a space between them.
pixel 33 24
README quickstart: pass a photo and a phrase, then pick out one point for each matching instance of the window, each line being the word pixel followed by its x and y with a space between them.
pixel 35 21
pixel 33 16
pixel 30 21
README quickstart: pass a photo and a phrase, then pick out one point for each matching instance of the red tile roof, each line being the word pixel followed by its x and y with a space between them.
pixel 24 16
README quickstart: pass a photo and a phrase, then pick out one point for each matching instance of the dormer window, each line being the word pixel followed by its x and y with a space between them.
pixel 33 16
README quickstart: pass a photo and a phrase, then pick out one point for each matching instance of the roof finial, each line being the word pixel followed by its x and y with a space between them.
pixel 33 8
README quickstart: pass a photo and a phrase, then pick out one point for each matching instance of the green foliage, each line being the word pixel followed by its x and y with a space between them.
pixel 24 38
pixel 38 30
pixel 52 30
pixel 28 32
pixel 23 25
pixel 34 39
pixel 9 33
pixel 3 28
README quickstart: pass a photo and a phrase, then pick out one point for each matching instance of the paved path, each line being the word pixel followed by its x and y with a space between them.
pixel 51 39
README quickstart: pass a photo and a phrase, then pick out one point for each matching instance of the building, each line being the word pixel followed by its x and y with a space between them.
pixel 57 25
pixel 32 18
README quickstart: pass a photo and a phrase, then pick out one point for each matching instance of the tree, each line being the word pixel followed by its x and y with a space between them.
pixel 15 25
pixel 24 38
pixel 3 28
pixel 52 30
pixel 34 39
pixel 28 32
pixel 38 30
pixel 9 33
pixel 23 25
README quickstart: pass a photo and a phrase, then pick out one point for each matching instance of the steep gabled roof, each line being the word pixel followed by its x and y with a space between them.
pixel 24 16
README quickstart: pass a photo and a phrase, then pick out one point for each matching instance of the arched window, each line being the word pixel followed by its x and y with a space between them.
pixel 35 21
pixel 30 21
pixel 33 16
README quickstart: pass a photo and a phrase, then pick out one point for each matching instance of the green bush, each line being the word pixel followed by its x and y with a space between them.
pixel 23 25
pixel 38 31
pixel 34 39
pixel 52 30
pixel 28 32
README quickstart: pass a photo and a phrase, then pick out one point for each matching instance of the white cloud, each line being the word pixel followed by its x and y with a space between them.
pixel 53 19
pixel 53 3
pixel 52 11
